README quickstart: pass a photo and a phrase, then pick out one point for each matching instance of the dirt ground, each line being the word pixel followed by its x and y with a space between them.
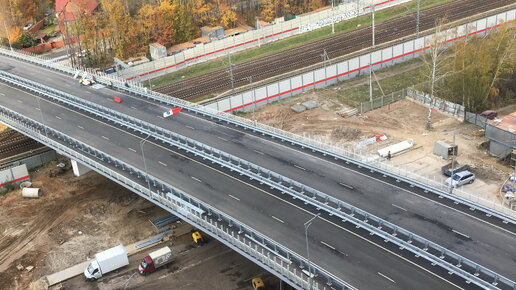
pixel 400 121
pixel 77 217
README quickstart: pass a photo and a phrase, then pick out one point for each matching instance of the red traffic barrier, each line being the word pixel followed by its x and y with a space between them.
pixel 117 99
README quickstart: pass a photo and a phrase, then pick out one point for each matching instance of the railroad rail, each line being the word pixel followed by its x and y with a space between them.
pixel 334 46
pixel 435 254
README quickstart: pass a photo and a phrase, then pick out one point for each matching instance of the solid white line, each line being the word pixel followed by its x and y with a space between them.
pixel 105 138
pixel 386 277
pixel 59 118
pixel 345 185
pixel 268 193
pixel 196 179
pixel 327 245
pixel 223 139
pixel 259 152
pixel 132 149
pixel 80 127
pixel 162 163
pixel 234 197
pixel 19 101
pixel 297 166
pixel 459 233
pixel 398 207
pixel 277 219
pixel 189 127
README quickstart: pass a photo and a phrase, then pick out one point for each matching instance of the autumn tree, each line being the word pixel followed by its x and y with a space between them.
pixel 434 61
pixel 228 17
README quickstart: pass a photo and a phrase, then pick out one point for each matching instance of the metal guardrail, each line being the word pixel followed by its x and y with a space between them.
pixel 275 257
pixel 420 246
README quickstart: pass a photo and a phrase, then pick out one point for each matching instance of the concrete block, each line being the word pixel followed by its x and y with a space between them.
pixel 298 108
pixel 309 105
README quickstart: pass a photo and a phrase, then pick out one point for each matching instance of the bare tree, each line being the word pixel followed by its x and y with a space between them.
pixel 434 61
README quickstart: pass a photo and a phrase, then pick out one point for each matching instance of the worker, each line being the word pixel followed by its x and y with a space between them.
pixel 126 84
pixel 80 81
pixel 389 155
pixel 110 84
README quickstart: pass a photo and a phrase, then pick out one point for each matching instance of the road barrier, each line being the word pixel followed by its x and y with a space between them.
pixel 420 246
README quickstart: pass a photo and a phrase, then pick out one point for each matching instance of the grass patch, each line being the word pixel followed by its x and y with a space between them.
pixel 48 29
pixel 395 83
pixel 294 41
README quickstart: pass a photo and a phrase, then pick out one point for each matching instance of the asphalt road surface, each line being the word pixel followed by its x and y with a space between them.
pixel 362 263
pixel 478 238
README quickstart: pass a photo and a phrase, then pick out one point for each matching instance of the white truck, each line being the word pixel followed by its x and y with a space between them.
pixel 105 262
pixel 155 260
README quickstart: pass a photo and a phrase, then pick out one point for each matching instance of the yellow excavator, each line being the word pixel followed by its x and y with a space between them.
pixel 198 239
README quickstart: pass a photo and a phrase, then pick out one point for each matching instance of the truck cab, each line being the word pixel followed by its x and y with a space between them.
pixel 93 271
pixel 146 266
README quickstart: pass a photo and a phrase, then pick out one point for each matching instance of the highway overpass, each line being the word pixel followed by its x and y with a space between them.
pixel 346 252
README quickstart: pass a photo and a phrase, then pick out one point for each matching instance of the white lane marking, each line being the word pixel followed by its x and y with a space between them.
pixel 328 245
pixel 273 196
pixel 189 127
pixel 234 197
pixel 277 219
pixel 2 94
pixel 132 150
pixel 398 207
pixel 196 179
pixel 59 118
pixel 19 101
pixel 162 163
pixel 38 109
pixel 134 108
pixel 345 185
pixel 259 152
pixel 161 117
pixel 459 233
pixel 80 127
pixel 367 176
pixel 223 139
pixel 297 166
pixel 386 277
pixel 105 138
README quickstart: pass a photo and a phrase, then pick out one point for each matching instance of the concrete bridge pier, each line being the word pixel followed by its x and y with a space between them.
pixel 79 169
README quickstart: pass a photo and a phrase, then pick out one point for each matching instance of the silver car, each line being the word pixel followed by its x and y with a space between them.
pixel 460 178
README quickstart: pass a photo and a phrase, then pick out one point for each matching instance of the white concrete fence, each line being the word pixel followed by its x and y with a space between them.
pixel 13 175
pixel 331 74
pixel 254 38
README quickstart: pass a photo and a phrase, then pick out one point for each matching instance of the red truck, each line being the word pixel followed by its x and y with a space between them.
pixel 155 260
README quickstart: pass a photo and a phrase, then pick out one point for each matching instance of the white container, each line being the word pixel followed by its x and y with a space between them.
pixel 396 148
pixel 30 192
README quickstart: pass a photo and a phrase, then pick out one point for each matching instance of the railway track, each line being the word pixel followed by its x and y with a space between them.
pixel 312 52
pixel 13 143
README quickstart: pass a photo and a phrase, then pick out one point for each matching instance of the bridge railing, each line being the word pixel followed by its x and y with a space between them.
pixel 420 246
pixel 271 255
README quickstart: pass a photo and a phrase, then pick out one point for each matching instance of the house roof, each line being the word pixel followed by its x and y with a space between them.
pixel 508 123
pixel 67 9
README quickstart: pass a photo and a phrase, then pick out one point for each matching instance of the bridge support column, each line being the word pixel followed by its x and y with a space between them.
pixel 79 169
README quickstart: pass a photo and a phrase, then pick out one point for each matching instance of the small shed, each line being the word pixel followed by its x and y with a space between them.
pixel 157 51
pixel 445 149
pixel 212 32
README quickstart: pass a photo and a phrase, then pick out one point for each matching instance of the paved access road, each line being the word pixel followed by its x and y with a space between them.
pixel 364 264
pixel 479 238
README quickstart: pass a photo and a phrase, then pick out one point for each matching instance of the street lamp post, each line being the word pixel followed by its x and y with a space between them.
pixel 371 55
pixel 41 115
pixel 250 78
pixel 144 162
pixel 307 225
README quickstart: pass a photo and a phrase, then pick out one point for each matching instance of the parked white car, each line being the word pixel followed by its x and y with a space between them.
pixel 460 178
pixel 27 26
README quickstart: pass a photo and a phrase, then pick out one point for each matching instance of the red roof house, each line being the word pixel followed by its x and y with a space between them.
pixel 67 10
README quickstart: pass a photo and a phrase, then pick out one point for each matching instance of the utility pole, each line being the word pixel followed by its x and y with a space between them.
pixel 259 33
pixel 333 20
pixel 231 77
pixel 7 34
pixel 417 18
pixel 307 225
pixel 370 55
pixel 144 162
